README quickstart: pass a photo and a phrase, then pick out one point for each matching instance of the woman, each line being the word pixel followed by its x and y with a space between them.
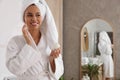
pixel 105 48
pixel 35 55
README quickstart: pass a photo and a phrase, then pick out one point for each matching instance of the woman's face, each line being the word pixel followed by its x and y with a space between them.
pixel 32 17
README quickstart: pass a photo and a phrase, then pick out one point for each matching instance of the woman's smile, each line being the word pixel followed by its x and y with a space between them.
pixel 34 24
pixel 33 17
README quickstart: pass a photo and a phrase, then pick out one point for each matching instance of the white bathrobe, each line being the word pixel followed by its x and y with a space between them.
pixel 25 62
pixel 105 49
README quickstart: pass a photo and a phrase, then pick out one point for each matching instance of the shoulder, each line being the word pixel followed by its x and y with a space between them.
pixel 17 40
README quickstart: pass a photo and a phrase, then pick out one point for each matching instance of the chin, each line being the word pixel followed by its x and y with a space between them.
pixel 34 27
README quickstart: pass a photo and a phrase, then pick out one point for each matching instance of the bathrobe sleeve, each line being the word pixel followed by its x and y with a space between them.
pixel 59 68
pixel 18 61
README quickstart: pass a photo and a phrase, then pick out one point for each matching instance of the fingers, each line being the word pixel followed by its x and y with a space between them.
pixel 24 27
pixel 25 34
pixel 55 53
pixel 24 30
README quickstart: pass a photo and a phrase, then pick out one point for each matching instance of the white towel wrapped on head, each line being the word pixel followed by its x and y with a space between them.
pixel 48 27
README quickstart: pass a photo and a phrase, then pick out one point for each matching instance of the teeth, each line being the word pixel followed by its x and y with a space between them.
pixel 34 24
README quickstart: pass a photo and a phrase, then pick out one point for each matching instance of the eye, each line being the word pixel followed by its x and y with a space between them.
pixel 38 15
pixel 29 15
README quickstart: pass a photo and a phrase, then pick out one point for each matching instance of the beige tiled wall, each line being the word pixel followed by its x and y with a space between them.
pixel 75 14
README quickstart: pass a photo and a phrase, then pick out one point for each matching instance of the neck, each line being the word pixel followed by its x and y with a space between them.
pixel 36 35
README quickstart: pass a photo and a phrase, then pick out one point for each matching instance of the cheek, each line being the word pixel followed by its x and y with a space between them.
pixel 40 21
pixel 26 20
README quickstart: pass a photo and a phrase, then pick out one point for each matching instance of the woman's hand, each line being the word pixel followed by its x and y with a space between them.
pixel 25 34
pixel 54 54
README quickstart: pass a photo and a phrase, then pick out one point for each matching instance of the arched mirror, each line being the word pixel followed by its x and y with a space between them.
pixel 97 56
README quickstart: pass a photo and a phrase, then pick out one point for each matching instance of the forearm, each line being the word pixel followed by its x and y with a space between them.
pixel 18 64
pixel 52 64
pixel 59 69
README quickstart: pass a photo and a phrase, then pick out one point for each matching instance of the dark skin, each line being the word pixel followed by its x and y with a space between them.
pixel 32 19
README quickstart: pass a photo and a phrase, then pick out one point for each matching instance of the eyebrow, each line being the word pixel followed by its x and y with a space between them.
pixel 31 13
pixel 28 13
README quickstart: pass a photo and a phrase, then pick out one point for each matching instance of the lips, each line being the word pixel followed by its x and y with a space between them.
pixel 34 23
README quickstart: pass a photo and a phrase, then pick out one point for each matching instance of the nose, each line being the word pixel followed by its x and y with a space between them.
pixel 34 18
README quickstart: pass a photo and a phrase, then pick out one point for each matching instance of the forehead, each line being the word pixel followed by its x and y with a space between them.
pixel 32 9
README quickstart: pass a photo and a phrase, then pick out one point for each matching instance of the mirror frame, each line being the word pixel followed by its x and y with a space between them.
pixel 114 57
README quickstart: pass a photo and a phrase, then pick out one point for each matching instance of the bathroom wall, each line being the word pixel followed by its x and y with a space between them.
pixel 10 25
pixel 75 14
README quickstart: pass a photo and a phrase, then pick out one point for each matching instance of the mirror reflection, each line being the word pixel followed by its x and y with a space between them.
pixel 97 50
